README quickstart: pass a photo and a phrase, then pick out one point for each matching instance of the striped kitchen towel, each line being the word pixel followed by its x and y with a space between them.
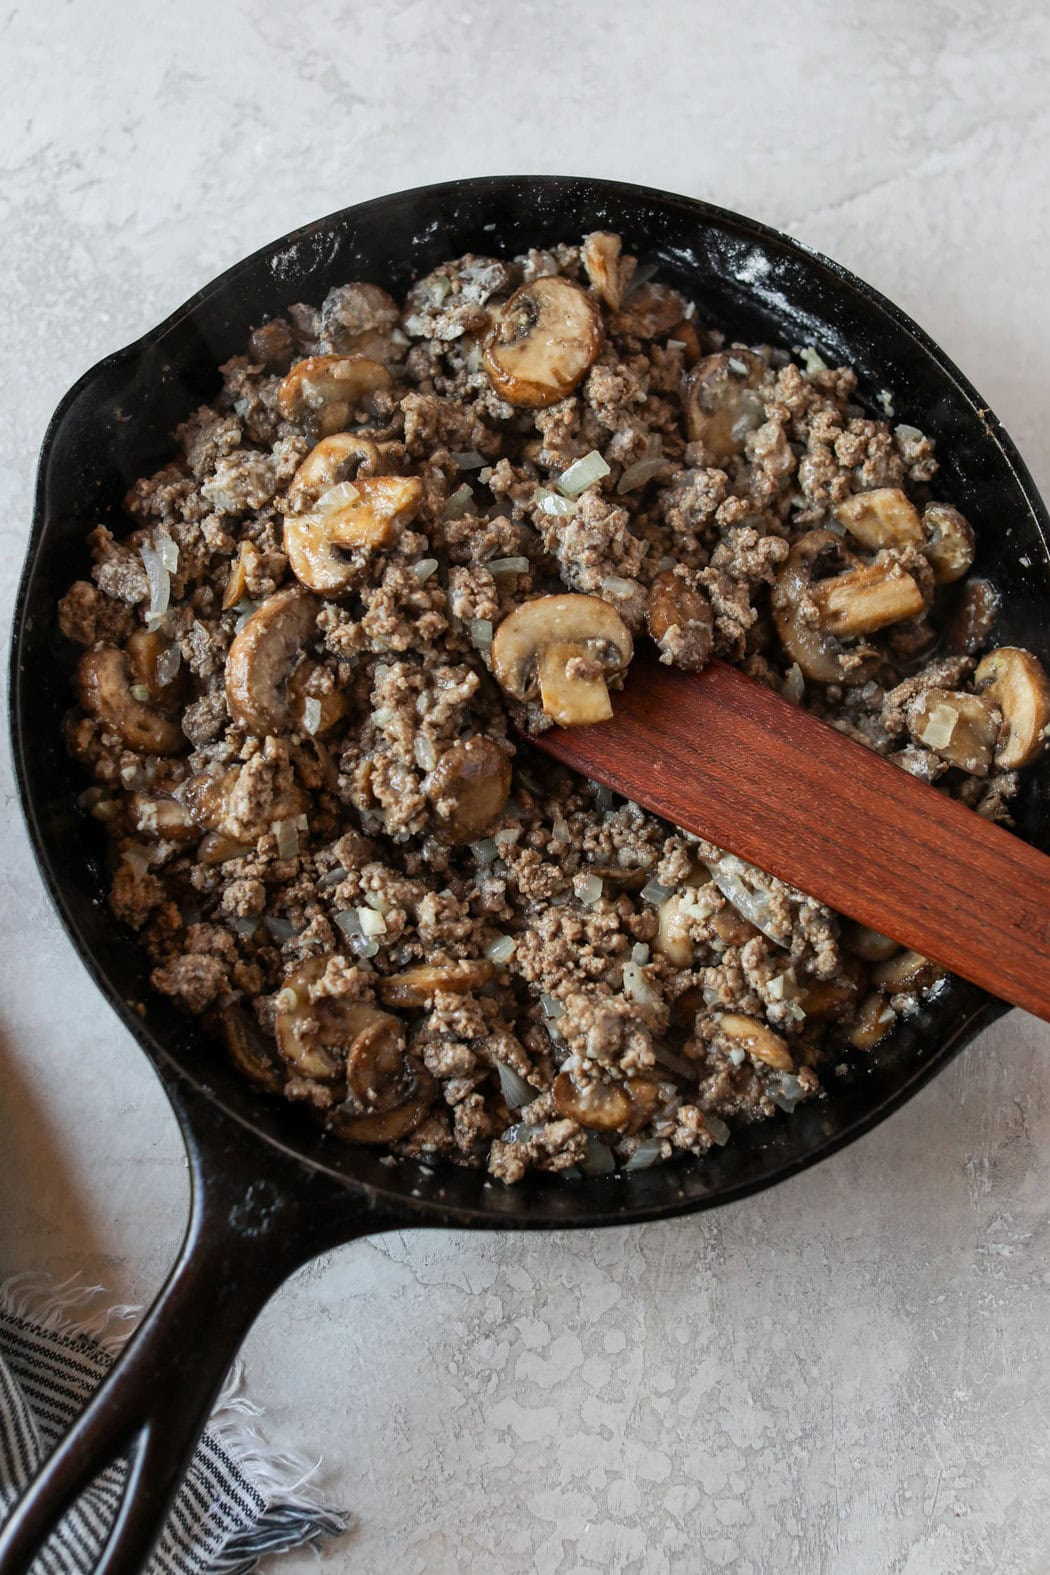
pixel 240 1500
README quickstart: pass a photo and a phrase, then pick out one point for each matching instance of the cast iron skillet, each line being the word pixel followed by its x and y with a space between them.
pixel 269 1191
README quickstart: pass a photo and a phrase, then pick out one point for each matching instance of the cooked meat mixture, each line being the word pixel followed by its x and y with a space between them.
pixel 403 538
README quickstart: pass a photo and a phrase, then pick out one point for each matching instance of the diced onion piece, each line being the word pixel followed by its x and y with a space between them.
pixel 521 1131
pixel 424 752
pixel 139 692
pixel 603 797
pixel 311 714
pixel 794 687
pixel 588 889
pixel 281 929
pixel 616 585
pixel 136 858
pixel 637 986
pixel 717 1128
pixel 812 360
pixel 337 497
pixel 790 1093
pixel 468 459
pixel 508 565
pixel 674 1063
pixel 554 504
pixel 730 875
pixel 552 1008
pixel 372 923
pixel 940 726
pixel 502 949
pixel 168 663
pixel 159 584
pixel 485 850
pixel 459 503
pixel 516 1092
pixel 583 474
pixel 376 900
pixel 168 549
pixel 364 948
pixel 481 632
pixel 349 923
pixel 245 926
pixel 649 1152
pixel 245 608
pixel 598 1160
pixel 656 893
pixel 640 953
pixel 423 568
pixel 639 473
pixel 286 834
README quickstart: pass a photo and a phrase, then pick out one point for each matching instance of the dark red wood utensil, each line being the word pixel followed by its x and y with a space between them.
pixel 723 756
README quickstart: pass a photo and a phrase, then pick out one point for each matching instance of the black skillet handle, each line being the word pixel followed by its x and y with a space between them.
pixel 255 1216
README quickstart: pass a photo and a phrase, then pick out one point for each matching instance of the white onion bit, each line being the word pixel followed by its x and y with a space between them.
pixel 513 1086
pixel 583 474
pixel 286 834
pixel 423 568
pixel 502 949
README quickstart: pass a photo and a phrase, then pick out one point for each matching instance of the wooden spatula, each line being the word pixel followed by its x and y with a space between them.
pixel 723 756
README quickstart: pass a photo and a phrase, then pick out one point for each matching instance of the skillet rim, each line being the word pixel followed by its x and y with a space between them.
pixel 403 1199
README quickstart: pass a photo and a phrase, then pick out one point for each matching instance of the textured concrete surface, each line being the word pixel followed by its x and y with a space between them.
pixel 850 1374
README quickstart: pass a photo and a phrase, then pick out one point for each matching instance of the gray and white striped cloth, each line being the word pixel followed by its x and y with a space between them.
pixel 240 1500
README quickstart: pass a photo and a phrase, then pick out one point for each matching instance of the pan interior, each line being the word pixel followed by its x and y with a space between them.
pixel 118 423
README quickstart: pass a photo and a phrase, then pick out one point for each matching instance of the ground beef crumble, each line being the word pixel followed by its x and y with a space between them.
pixel 378 898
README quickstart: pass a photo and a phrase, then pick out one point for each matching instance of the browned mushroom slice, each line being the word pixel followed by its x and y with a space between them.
pixel 957 726
pixel 649 311
pixel 1015 683
pixel 867 598
pixel 949 542
pixel 386 1126
pixel 149 658
pixel 417 986
pixel 568 648
pixel 756 1040
pixel 875 1017
pixel 680 621
pixel 335 459
pixel 318 713
pixel 323 391
pixel 722 403
pixel 329 1037
pixel 215 848
pixel 606 1107
pixel 272 344
pixel 468 788
pixel 600 254
pixel 259 661
pixel 365 513
pixel 871 945
pixel 158 816
pixel 104 690
pixel 806 641
pixel 883 517
pixel 824 1000
pixel 543 342
pixel 250 1053
pixel 906 971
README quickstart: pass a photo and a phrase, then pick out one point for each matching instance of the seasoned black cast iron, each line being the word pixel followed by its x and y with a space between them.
pixel 269 1190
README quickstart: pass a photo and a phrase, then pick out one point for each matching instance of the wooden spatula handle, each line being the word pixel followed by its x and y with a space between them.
pixel 723 756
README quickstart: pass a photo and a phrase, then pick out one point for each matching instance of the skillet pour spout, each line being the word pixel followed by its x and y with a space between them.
pixel 269 1189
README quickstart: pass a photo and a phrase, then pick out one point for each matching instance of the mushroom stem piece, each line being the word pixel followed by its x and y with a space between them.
pixel 867 598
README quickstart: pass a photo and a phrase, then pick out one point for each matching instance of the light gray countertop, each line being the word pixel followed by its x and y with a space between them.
pixel 848 1374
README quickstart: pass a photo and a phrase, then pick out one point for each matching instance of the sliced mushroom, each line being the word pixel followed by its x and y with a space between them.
pixel 1015 683
pixel 259 661
pixel 673 940
pixel 543 342
pixel 826 999
pixel 959 727
pixel 873 1022
pixel 806 640
pixel 104 690
pixel 149 655
pixel 906 971
pixel 216 848
pixel 468 788
pixel 949 543
pixel 600 254
pixel 971 623
pixel 331 1037
pixel 364 515
pixel 335 459
pixel 722 404
pixel 386 1126
pixel 162 817
pixel 212 799
pixel 732 928
pixel 331 704
pixel 323 391
pixel 569 648
pixel 272 344
pixel 250 1053
pixel 649 311
pixel 680 620
pixel 756 1039
pixel 868 944
pixel 883 517
pixel 418 986
pixel 867 598
pixel 606 1107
